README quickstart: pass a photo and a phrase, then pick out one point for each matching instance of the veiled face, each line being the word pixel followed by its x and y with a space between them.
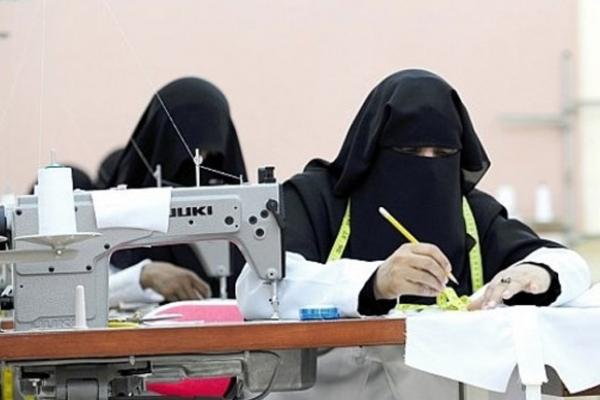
pixel 429 152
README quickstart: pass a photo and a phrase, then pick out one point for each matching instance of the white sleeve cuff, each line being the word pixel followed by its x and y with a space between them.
pixel 573 272
pixel 124 287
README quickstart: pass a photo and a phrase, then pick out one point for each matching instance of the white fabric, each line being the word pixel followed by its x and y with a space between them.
pixel 133 208
pixel 528 353
pixel 306 283
pixel 124 287
pixel 571 345
pixel 433 341
pixel 525 336
pixel 490 346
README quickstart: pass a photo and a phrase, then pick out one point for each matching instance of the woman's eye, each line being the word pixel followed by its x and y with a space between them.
pixel 407 150
pixel 444 152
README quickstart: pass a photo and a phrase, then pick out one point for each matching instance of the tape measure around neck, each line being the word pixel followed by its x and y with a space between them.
pixel 342 237
pixel 475 260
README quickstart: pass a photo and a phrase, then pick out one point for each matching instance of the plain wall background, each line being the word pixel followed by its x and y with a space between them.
pixel 295 74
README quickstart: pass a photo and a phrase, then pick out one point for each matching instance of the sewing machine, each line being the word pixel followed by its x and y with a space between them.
pixel 248 215
pixel 47 276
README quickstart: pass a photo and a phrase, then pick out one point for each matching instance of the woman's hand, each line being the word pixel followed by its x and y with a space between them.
pixel 173 283
pixel 418 269
pixel 527 278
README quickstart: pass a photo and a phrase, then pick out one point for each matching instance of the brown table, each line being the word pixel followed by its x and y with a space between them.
pixel 212 338
pixel 207 338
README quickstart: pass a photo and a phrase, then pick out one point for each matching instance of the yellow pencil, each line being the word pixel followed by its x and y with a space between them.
pixel 385 214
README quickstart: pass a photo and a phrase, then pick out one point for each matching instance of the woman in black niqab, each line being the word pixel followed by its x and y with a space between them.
pixel 378 165
pixel 386 161
pixel 199 112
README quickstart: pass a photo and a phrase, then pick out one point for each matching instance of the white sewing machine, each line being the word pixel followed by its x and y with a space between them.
pixel 46 278
pixel 47 273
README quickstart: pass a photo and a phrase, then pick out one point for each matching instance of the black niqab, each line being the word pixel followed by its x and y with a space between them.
pixel 108 167
pixel 201 113
pixel 412 108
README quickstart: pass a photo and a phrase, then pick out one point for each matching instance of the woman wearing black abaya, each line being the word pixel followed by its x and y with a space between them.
pixel 107 168
pixel 411 149
pixel 199 112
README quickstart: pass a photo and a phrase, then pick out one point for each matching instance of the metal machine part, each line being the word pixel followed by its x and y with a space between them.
pixel 297 370
pixel 215 257
pixel 44 292
pixel 266 175
pixel 6 298
pixel 5 269
pixel 3 227
pixel 254 372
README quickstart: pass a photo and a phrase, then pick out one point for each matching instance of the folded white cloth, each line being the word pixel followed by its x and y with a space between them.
pixel 482 348
pixel 571 346
pixel 133 208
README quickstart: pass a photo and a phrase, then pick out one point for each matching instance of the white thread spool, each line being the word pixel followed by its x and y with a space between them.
pixel 56 205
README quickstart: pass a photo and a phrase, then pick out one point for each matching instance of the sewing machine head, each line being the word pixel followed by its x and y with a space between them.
pixel 248 215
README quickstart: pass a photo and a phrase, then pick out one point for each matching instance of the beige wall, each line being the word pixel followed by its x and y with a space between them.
pixel 295 73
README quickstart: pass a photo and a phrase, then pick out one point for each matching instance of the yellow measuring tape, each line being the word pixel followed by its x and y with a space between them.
pixel 447 299
pixel 7 383
pixel 8 391
pixel 122 324
pixel 342 237
pixel 475 261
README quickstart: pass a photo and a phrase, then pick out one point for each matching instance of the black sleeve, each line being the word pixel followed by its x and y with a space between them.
pixel 299 235
pixel 368 305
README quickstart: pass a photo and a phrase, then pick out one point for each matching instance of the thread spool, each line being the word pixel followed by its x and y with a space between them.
pixel 56 205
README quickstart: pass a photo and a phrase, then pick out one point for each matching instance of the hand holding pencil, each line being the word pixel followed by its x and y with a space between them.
pixel 415 268
pixel 390 218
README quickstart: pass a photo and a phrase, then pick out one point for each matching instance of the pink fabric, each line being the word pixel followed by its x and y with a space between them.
pixel 205 312
pixel 205 387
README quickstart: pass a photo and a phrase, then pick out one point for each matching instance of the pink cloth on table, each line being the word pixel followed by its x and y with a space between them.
pixel 205 311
